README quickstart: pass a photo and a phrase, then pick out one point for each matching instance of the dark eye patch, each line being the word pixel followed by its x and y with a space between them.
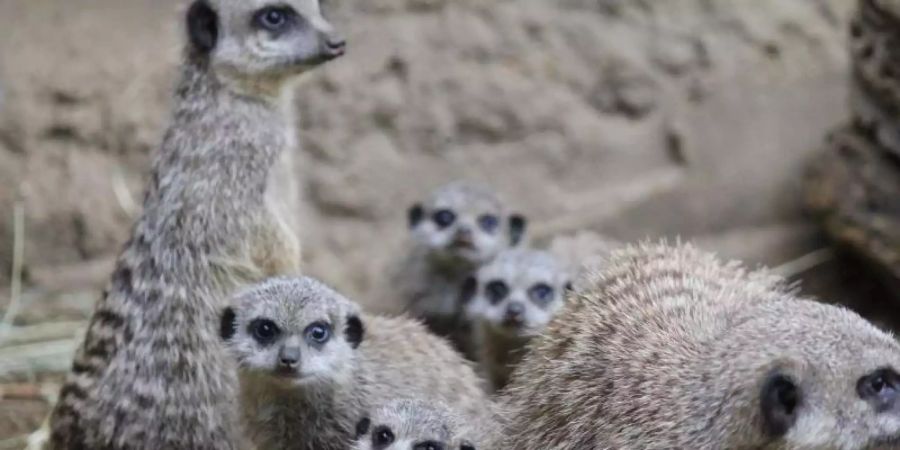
pixel 496 291
pixel 429 445
pixel 443 218
pixel 275 19
pixel 541 294
pixel 881 388
pixel 263 331
pixel 382 436
pixel 489 223
pixel 318 333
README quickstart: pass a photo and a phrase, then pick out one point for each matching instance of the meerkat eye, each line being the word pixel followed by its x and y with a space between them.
pixel 382 436
pixel 496 291
pixel 264 330
pixel 274 18
pixel 466 445
pixel 488 223
pixel 318 332
pixel 443 218
pixel 541 293
pixel 880 387
pixel 429 445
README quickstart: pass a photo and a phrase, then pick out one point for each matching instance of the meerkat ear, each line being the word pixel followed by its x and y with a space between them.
pixel 569 287
pixel 415 215
pixel 469 287
pixel 203 26
pixel 354 330
pixel 227 327
pixel 517 226
pixel 780 403
pixel 362 427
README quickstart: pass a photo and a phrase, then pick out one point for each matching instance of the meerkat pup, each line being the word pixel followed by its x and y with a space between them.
pixel 458 228
pixel 152 372
pixel 413 425
pixel 509 301
pixel 309 362
pixel 669 348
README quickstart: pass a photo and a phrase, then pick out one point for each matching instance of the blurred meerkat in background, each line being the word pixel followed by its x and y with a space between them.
pixel 509 301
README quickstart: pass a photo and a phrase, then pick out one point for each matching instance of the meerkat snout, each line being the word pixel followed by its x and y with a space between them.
pixel 514 314
pixel 289 357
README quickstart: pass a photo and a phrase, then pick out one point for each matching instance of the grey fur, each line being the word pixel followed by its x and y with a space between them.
pixel 499 340
pixel 317 405
pixel 670 348
pixel 151 372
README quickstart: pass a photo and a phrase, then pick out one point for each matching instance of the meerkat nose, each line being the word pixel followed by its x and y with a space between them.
pixel 514 311
pixel 289 357
pixel 335 45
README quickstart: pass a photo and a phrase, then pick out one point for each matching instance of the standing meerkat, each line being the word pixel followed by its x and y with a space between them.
pixel 509 301
pixel 310 362
pixel 152 372
pixel 458 228
pixel 413 425
pixel 669 348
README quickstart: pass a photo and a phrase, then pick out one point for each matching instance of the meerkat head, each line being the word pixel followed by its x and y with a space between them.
pixel 294 329
pixel 518 292
pixel 467 222
pixel 411 425
pixel 262 39
pixel 811 376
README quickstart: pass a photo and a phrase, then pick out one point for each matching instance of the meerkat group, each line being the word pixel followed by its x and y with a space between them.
pixel 455 230
pixel 209 338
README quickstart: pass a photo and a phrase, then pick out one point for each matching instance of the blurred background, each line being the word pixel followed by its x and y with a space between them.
pixel 695 119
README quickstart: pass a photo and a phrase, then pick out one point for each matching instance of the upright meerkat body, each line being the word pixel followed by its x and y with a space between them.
pixel 310 364
pixel 510 300
pixel 459 227
pixel 669 348
pixel 151 372
pixel 413 425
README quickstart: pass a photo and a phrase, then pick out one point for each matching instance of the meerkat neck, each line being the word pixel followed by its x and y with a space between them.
pixel 450 267
pixel 505 348
pixel 199 77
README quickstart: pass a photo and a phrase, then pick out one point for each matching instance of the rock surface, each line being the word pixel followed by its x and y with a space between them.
pixel 634 118
pixel 854 188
